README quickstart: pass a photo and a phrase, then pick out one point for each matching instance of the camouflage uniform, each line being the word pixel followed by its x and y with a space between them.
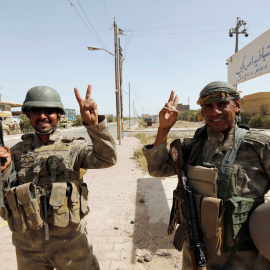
pixel 252 181
pixel 67 247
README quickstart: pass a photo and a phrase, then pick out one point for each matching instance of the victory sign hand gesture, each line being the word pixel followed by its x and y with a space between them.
pixel 169 114
pixel 167 118
pixel 88 107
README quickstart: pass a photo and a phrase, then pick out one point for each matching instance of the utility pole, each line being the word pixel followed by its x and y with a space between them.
pixel 117 81
pixel 121 89
pixel 1 100
pixel 129 104
pixel 236 31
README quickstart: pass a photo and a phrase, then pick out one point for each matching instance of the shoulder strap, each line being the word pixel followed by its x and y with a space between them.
pixel 230 155
pixel 27 141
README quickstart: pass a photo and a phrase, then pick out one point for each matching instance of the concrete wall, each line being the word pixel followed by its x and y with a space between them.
pixel 258 103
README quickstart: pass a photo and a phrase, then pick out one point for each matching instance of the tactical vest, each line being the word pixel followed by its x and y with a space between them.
pixel 222 233
pixel 44 171
pixel 238 209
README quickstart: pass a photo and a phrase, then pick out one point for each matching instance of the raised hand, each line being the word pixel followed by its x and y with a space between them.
pixel 167 118
pixel 88 107
pixel 5 154
pixel 169 114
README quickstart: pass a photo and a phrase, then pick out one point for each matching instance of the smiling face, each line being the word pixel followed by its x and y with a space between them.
pixel 220 116
pixel 44 120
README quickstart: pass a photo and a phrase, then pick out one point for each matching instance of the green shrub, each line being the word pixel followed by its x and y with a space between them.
pixel 266 121
pixel 78 121
pixel 110 118
pixel 256 121
pixel 141 137
pixel 245 117
pixel 26 124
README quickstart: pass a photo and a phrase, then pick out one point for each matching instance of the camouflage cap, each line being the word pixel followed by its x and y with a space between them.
pixel 217 91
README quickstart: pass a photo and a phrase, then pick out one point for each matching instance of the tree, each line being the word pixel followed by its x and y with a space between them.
pixel 25 124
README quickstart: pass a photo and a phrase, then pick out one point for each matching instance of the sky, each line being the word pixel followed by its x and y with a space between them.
pixel 167 45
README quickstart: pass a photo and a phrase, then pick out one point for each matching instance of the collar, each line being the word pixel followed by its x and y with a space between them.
pixel 217 139
pixel 53 137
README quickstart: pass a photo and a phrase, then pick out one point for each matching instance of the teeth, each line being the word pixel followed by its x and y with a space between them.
pixel 217 120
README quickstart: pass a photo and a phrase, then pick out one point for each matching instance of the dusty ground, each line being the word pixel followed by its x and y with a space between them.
pixel 150 225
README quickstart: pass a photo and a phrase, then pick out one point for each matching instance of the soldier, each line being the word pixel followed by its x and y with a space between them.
pixel 45 196
pixel 228 169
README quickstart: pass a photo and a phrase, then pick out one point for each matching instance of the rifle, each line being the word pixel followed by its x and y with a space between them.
pixel 184 193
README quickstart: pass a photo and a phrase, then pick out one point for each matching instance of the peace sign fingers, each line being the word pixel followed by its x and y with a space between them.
pixel 78 97
pixel 88 92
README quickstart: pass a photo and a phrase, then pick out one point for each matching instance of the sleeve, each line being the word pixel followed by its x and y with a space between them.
pixel 159 160
pixel 100 152
pixel 9 177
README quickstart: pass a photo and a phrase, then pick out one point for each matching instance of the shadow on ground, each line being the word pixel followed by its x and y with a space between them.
pixel 152 212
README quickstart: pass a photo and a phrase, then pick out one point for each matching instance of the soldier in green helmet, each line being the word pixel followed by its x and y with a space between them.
pixel 45 197
pixel 228 169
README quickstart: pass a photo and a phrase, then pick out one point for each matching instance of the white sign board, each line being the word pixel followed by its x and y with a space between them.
pixel 251 61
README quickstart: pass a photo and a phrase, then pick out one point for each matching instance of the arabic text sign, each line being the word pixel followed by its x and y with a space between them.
pixel 251 61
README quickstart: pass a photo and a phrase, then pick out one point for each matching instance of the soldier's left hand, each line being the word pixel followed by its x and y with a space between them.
pixel 5 154
pixel 88 107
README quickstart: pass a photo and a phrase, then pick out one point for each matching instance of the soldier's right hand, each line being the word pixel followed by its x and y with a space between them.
pixel 6 156
pixel 169 114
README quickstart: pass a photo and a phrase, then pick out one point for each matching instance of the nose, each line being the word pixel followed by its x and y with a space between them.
pixel 42 114
pixel 215 109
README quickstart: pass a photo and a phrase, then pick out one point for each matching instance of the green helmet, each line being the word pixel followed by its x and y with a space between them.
pixel 42 96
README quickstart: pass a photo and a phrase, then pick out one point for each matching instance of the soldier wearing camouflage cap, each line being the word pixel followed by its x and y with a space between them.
pixel 228 169
pixel 45 197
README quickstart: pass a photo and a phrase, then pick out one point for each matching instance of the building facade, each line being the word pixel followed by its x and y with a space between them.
pixel 256 104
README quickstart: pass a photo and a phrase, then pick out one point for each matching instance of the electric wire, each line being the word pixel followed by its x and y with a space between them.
pixel 171 60
pixel 110 21
pixel 90 30
pixel 97 36
pixel 175 26
pixel 183 33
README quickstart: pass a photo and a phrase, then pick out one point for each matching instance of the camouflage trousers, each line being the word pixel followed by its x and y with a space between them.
pixel 75 254
pixel 242 260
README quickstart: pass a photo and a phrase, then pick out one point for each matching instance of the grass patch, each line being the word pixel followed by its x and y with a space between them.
pixel 147 139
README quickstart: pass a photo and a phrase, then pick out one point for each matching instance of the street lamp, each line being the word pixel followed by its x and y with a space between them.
pixel 96 49
pixel 117 78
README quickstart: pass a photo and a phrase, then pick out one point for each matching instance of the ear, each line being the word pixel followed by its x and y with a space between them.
pixel 237 105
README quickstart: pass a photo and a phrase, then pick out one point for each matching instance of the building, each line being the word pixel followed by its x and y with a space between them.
pixel 180 107
pixel 6 110
pixel 256 104
pixel 70 114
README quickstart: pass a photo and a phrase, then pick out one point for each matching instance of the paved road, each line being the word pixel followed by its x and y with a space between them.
pixel 11 140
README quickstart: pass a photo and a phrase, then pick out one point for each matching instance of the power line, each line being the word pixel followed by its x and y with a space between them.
pixel 183 33
pixel 171 60
pixel 184 25
pixel 110 21
pixel 98 38
pixel 95 34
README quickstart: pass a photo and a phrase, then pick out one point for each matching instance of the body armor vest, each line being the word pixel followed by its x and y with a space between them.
pixel 44 164
pixel 44 172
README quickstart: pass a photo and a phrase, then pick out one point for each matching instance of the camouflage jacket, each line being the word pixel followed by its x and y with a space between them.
pixel 99 153
pixel 253 160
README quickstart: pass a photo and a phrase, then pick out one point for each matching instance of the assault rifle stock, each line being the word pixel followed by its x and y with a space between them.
pixel 184 193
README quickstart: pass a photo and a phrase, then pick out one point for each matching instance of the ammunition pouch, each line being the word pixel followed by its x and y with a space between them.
pixel 238 210
pixel 58 213
pixel 209 208
pixel 210 212
pixel 84 200
pixel 28 197
pixel 23 208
